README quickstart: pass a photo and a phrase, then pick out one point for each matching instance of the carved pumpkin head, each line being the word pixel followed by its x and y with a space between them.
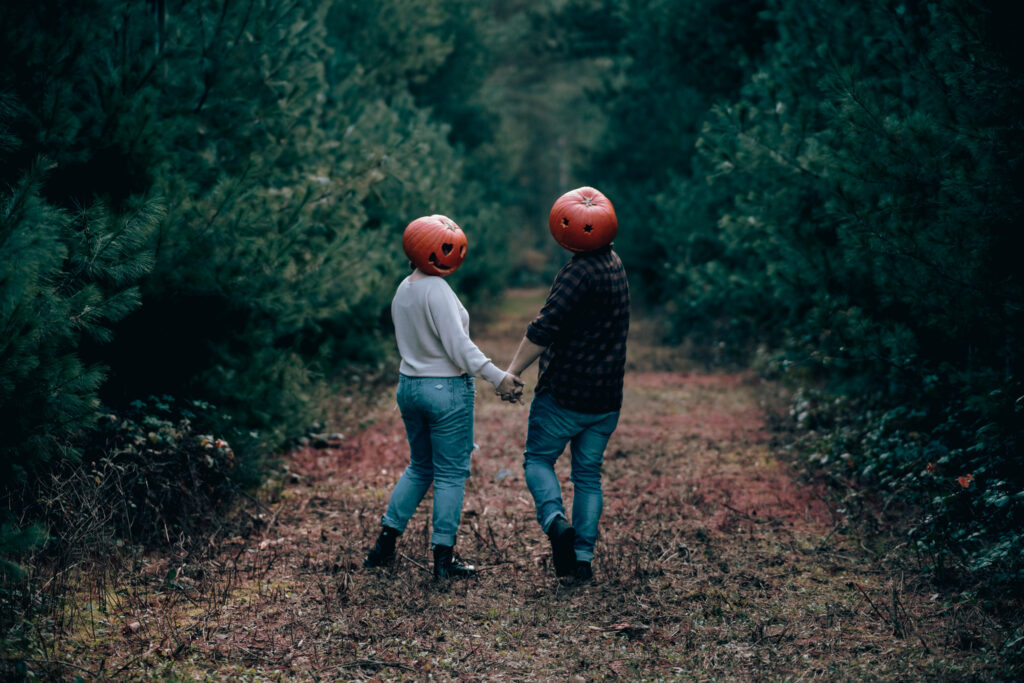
pixel 583 220
pixel 435 244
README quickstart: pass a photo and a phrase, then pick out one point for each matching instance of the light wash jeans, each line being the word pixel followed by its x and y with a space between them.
pixel 551 427
pixel 438 416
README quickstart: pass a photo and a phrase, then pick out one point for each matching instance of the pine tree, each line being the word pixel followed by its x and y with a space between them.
pixel 677 58
pixel 289 159
pixel 64 280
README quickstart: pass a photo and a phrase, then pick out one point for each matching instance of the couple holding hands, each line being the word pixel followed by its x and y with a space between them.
pixel 579 337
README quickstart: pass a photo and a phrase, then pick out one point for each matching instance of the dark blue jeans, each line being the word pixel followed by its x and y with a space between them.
pixel 551 427
pixel 438 416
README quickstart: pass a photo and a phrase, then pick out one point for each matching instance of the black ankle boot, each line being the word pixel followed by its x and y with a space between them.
pixel 562 537
pixel 584 572
pixel 383 551
pixel 448 564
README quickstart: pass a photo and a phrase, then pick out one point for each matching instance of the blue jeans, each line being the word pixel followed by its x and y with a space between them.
pixel 438 416
pixel 551 427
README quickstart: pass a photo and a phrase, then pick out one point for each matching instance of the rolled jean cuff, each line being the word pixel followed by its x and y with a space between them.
pixel 551 518
pixel 394 524
pixel 584 555
pixel 442 539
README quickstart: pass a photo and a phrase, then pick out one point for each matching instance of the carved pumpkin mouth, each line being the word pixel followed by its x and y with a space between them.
pixel 438 264
pixel 446 250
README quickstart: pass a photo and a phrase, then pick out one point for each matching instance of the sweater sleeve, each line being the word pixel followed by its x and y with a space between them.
pixel 444 313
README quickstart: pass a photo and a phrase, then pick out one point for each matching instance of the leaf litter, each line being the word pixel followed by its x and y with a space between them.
pixel 716 560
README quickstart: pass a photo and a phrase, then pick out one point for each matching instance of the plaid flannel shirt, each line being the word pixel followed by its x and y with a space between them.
pixel 584 325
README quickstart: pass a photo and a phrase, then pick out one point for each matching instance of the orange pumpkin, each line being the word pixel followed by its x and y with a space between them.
pixel 583 220
pixel 435 244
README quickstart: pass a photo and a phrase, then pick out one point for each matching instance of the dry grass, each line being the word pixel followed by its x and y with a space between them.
pixel 715 562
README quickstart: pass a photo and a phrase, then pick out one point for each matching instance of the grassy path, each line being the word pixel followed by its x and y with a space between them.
pixel 715 562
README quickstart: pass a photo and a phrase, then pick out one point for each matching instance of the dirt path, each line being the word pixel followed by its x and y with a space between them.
pixel 714 561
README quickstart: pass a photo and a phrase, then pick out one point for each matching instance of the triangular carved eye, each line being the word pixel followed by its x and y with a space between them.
pixel 447 248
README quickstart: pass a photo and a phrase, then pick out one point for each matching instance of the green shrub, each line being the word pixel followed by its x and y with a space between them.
pixel 161 472
pixel 956 475
pixel 289 159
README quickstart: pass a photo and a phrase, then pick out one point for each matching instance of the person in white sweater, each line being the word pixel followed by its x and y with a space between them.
pixel 436 393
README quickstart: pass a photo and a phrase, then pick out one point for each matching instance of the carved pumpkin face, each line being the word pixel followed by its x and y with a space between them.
pixel 583 220
pixel 435 244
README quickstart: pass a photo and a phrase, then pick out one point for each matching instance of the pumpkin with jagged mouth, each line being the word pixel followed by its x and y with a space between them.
pixel 435 244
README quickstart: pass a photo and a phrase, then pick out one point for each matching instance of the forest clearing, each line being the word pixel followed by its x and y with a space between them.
pixel 716 561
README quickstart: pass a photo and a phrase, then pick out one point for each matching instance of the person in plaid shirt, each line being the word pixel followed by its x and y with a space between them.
pixel 580 338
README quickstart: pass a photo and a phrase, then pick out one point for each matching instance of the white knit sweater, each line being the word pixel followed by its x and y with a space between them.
pixel 432 329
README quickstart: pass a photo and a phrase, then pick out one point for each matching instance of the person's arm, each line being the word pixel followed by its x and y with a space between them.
pixel 556 317
pixel 550 323
pixel 525 355
pixel 444 313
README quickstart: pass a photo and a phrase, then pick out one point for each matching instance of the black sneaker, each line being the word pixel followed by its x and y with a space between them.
pixel 448 564
pixel 562 537
pixel 584 572
pixel 382 553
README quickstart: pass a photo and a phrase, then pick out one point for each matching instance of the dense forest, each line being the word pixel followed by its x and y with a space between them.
pixel 201 205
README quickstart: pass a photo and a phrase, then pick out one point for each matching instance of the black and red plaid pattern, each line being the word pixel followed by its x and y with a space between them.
pixel 584 325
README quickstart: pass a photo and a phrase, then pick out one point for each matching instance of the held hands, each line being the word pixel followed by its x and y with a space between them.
pixel 510 389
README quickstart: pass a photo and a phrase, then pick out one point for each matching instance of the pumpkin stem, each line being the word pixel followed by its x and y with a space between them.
pixel 588 201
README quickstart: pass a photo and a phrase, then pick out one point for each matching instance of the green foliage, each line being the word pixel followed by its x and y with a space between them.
pixel 161 473
pixel 64 280
pixel 873 237
pixel 289 144
pixel 676 59
pixel 17 541
pixel 852 201
pixel 955 470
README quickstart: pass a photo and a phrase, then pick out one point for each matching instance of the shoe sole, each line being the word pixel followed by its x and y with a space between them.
pixel 563 554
